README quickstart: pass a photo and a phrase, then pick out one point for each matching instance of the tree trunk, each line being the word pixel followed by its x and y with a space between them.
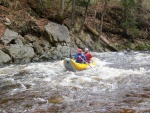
pixel 41 3
pixel 102 16
pixel 95 12
pixel 73 13
pixel 84 20
pixel 101 23
pixel 62 6
pixel 93 31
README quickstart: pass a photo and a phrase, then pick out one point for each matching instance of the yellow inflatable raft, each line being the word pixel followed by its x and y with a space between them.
pixel 72 65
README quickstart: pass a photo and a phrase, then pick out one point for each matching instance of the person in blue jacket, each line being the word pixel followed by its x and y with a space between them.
pixel 80 57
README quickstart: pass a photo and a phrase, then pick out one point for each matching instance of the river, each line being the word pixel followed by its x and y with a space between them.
pixel 120 83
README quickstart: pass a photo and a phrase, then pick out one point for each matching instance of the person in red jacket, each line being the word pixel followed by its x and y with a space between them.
pixel 88 55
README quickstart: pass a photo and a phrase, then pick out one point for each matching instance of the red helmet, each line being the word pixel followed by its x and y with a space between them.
pixel 79 50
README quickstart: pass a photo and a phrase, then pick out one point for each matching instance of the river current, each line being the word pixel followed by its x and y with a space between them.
pixel 120 83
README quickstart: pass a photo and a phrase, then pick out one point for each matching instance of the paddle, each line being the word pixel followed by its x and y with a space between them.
pixel 86 62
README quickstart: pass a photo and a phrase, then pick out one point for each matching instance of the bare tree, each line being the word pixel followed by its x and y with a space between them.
pixel 100 37
pixel 95 12
pixel 62 6
pixel 102 15
pixel 85 16
pixel 41 3
pixel 73 12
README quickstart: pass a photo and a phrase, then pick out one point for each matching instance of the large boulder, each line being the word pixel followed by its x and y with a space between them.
pixel 57 33
pixel 11 37
pixel 4 58
pixel 38 49
pixel 58 36
pixel 54 44
pixel 21 53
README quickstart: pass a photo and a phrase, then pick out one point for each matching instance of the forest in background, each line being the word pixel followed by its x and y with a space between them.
pixel 123 23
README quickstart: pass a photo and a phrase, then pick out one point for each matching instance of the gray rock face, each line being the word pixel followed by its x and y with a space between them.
pixel 4 58
pixel 10 36
pixel 59 35
pixel 38 48
pixel 57 32
pixel 55 45
pixel 20 53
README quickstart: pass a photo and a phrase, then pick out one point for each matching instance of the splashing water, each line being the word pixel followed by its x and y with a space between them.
pixel 119 83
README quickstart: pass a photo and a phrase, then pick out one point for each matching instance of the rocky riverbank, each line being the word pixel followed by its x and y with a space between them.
pixel 29 35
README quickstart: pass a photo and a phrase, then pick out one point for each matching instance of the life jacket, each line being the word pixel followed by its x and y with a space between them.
pixel 79 59
pixel 88 56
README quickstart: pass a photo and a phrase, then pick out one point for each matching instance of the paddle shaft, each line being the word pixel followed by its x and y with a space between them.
pixel 86 62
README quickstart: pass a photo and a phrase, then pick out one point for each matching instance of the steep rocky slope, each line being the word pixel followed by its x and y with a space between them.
pixel 26 20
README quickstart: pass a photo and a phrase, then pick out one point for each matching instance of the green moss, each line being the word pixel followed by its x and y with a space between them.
pixel 142 47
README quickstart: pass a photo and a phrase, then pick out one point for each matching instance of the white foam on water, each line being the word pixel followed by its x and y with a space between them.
pixel 85 76
pixel 47 77
pixel 142 58
pixel 8 70
pixel 54 73
pixel 18 90
pixel 101 71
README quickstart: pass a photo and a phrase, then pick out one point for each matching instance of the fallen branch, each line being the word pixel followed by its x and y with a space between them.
pixel 94 32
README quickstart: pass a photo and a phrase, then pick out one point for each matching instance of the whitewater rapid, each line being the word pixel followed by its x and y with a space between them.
pixel 120 82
